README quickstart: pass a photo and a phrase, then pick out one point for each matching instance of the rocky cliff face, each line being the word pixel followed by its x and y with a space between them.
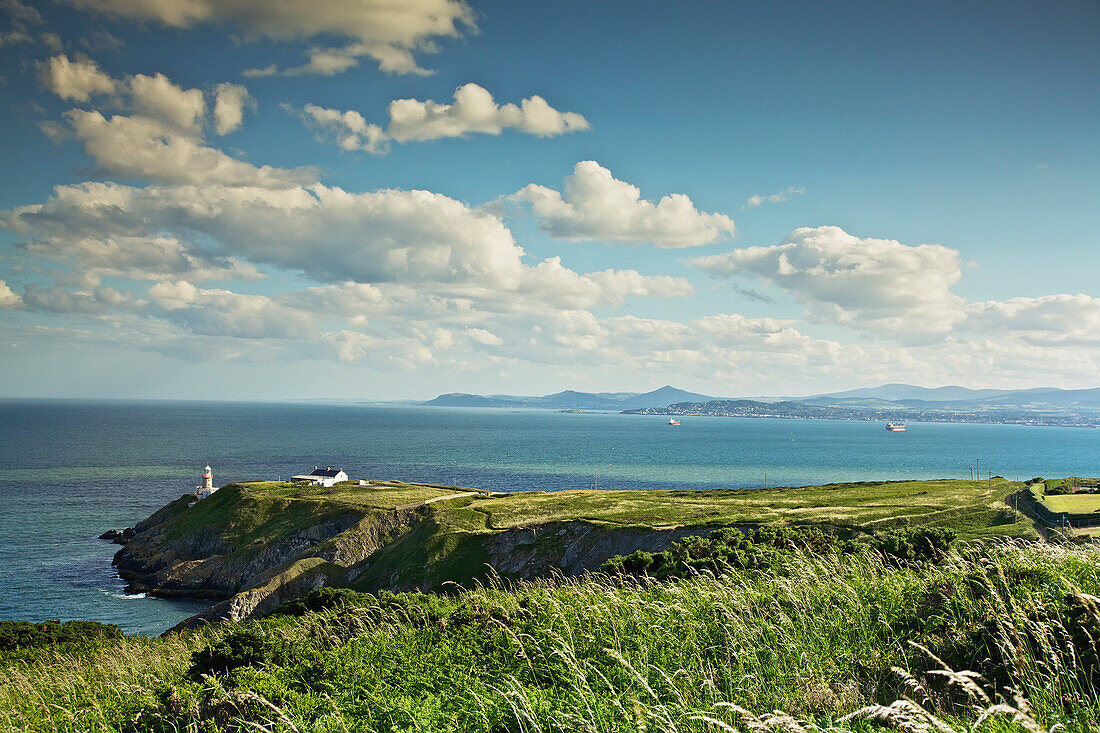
pixel 254 555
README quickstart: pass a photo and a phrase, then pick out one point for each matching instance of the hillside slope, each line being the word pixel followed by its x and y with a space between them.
pixel 256 545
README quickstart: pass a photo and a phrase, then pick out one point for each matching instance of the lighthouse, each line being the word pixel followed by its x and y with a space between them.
pixel 207 488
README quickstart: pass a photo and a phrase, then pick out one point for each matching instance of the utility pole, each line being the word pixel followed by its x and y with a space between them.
pixel 971 471
pixel 765 479
pixel 978 473
pixel 596 479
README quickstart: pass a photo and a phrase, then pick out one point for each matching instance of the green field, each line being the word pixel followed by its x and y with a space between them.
pixel 378 495
pixel 975 508
pixel 1073 503
pixel 1066 503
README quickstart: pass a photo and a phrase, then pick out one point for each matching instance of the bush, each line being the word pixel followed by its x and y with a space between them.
pixel 322 599
pixel 918 544
pixel 245 646
pixel 27 635
pixel 725 549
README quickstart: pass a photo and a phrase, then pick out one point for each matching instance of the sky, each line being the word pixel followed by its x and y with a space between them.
pixel 392 199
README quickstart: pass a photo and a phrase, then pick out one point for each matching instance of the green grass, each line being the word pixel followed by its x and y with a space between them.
pixel 968 506
pixel 1073 503
pixel 818 639
pixel 379 495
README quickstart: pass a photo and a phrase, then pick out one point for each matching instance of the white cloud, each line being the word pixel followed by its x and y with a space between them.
pixel 95 300
pixel 9 300
pixel 157 98
pixel 78 79
pixel 877 284
pixel 162 140
pixel 225 313
pixel 260 73
pixel 145 148
pixel 481 336
pixel 597 206
pixel 1050 320
pixel 348 129
pixel 473 111
pixel 230 102
pixel 389 32
pixel 754 202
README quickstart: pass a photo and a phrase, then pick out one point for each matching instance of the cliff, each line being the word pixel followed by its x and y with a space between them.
pixel 257 545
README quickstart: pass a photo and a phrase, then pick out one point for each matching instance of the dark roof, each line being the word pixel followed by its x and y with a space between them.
pixel 327 472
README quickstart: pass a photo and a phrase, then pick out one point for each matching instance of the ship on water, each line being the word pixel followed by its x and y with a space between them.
pixel 673 421
pixel 895 427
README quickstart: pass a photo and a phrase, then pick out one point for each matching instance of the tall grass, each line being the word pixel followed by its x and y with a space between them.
pixel 825 643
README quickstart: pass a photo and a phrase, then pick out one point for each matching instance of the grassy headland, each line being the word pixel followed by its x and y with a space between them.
pixel 276 540
pixel 515 644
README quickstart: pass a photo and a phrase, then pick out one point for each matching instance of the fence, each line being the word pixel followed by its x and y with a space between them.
pixel 1054 519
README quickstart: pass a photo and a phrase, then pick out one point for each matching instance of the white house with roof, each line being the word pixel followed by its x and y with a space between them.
pixel 326 476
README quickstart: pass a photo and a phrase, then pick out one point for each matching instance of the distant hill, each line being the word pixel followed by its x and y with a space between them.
pixel 897 392
pixel 572 400
pixel 960 398
pixel 462 399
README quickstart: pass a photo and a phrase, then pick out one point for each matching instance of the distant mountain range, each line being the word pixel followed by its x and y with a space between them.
pixel 955 398
pixel 572 400
pixel 906 400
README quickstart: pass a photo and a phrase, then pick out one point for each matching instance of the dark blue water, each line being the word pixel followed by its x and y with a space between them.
pixel 69 471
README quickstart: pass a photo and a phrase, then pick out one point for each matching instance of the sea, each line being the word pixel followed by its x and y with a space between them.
pixel 71 470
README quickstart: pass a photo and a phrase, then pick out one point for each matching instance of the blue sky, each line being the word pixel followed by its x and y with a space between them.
pixel 238 200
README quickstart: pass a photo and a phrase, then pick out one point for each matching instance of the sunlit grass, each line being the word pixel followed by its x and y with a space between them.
pixel 833 642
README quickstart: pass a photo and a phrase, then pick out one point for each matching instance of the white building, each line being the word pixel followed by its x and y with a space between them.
pixel 326 476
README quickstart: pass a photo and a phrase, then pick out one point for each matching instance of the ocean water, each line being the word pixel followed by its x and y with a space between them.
pixel 71 470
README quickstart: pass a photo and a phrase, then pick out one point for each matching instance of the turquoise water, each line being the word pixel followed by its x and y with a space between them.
pixel 69 471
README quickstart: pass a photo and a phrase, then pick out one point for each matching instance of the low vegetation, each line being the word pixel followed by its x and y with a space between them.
pixel 835 638
pixel 772 547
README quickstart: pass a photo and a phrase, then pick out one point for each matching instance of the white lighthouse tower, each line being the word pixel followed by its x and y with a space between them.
pixel 207 488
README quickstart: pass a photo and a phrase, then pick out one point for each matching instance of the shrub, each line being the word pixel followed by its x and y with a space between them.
pixel 917 544
pixel 245 646
pixel 322 599
pixel 724 549
pixel 27 635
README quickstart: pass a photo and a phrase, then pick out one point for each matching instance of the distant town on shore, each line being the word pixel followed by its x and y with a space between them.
pixel 1040 406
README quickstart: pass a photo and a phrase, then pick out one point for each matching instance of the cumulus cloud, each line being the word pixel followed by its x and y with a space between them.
pixel 9 300
pixel 350 130
pixel 162 139
pixel 1049 320
pixel 146 148
pixel 389 32
pixel 76 79
pixel 597 206
pixel 230 101
pixel 473 111
pixel 755 202
pixel 95 300
pixel 877 284
pixel 482 336
pixel 157 98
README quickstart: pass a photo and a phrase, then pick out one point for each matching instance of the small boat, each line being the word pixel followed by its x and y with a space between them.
pixel 673 421
pixel 895 427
